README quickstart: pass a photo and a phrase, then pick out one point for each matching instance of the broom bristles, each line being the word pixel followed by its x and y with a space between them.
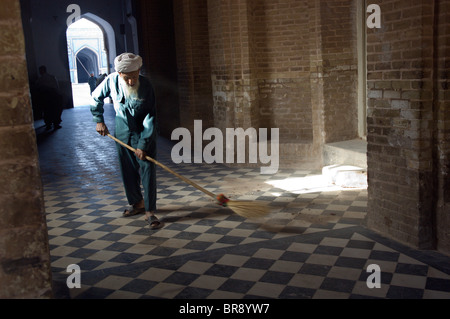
pixel 249 209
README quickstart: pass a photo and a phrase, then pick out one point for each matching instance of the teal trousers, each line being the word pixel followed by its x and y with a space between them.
pixel 135 171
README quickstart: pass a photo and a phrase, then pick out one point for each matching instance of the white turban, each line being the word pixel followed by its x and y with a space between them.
pixel 127 62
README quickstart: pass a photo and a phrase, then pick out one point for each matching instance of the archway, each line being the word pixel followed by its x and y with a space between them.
pixel 87 64
pixel 86 50
pixel 89 47
pixel 109 39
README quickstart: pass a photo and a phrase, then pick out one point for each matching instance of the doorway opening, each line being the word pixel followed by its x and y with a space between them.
pixel 87 65
pixel 90 41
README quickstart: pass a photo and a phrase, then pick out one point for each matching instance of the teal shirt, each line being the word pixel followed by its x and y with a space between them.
pixel 135 116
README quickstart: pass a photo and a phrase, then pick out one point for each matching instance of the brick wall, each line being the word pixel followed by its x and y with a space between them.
pixel 194 72
pixel 260 71
pixel 24 253
pixel 267 72
pixel 282 61
pixel 407 152
pixel 442 118
pixel 293 65
pixel 339 62
pixel 236 103
pixel 286 104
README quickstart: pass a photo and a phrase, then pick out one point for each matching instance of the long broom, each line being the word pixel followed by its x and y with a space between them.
pixel 247 209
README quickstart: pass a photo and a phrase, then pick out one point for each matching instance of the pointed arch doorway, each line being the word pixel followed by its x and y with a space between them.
pixel 91 49
pixel 87 64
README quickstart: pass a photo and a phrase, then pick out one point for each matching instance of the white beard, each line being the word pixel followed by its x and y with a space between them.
pixel 130 92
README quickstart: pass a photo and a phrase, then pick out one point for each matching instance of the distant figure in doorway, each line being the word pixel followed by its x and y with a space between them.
pixel 100 79
pixel 49 98
pixel 92 82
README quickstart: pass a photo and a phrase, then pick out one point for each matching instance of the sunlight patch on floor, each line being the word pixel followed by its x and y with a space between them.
pixel 305 185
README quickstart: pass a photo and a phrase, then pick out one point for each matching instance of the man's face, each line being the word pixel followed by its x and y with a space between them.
pixel 130 78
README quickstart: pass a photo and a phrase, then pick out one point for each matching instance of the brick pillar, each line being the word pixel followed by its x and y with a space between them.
pixel 194 72
pixel 24 253
pixel 406 136
pixel 339 62
pixel 235 90
pixel 442 118
pixel 316 80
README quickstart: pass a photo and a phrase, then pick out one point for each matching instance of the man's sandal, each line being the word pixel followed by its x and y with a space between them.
pixel 154 222
pixel 134 211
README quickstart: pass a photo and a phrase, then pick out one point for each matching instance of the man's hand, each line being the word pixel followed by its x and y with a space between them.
pixel 102 129
pixel 140 154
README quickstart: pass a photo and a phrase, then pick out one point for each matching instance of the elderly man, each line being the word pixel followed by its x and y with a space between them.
pixel 135 124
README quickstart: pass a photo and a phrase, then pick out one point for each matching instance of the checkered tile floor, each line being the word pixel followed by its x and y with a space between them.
pixel 312 245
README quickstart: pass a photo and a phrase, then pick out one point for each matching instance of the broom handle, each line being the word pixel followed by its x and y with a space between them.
pixel 166 168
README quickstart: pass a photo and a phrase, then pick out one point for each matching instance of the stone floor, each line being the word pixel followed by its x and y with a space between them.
pixel 313 245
